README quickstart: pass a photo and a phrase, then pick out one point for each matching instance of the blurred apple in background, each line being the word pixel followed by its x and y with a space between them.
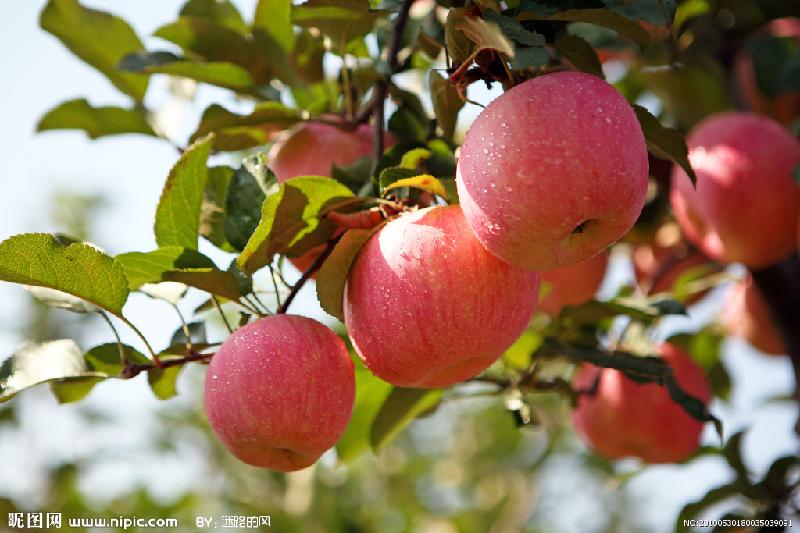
pixel 783 107
pixel 624 418
pixel 745 314
pixel 744 207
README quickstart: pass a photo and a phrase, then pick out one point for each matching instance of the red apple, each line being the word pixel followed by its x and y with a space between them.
pixel 572 285
pixel 427 306
pixel 312 148
pixel 553 171
pixel 785 107
pixel 629 419
pixel 746 203
pixel 745 314
pixel 279 392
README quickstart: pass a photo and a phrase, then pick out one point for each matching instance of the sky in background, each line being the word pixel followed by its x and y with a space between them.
pixel 129 171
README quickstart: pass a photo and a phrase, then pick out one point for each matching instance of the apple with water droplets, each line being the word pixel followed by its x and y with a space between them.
pixel 553 171
pixel 427 306
pixel 279 392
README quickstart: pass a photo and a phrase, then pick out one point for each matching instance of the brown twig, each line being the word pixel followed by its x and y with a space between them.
pixel 329 246
pixel 382 85
pixel 134 369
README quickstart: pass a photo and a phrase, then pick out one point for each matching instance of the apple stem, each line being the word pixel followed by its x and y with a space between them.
pixel 780 287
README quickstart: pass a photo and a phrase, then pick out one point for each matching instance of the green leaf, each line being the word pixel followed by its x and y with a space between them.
pixel 392 174
pixel 486 35
pixel 593 311
pixel 149 267
pixel 370 395
pixel 76 268
pixel 415 157
pixel 357 175
pixel 307 58
pixel 39 363
pixel 97 122
pixel 220 73
pixel 182 265
pixel 777 480
pixel 237 132
pixel 599 17
pixel 664 142
pixel 246 194
pixel 688 10
pixel 201 38
pixel 656 11
pixel 211 280
pixel 458 45
pixel 446 103
pixel 289 215
pixel 102 362
pixel 197 334
pixel 580 53
pixel 105 358
pixel 74 389
pixel 513 29
pixel 733 454
pixel 401 407
pixel 178 211
pixel 530 57
pixel 341 20
pixel 163 381
pixel 98 38
pixel 273 17
pixel 220 12
pixel 518 355
pixel 711 498
pixel 213 210
pixel 424 182
pixel 332 277
pixel 408 126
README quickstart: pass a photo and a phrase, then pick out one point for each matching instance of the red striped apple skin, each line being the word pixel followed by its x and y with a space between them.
pixel 427 306
pixel 746 204
pixel 629 419
pixel 279 392
pixel 553 171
